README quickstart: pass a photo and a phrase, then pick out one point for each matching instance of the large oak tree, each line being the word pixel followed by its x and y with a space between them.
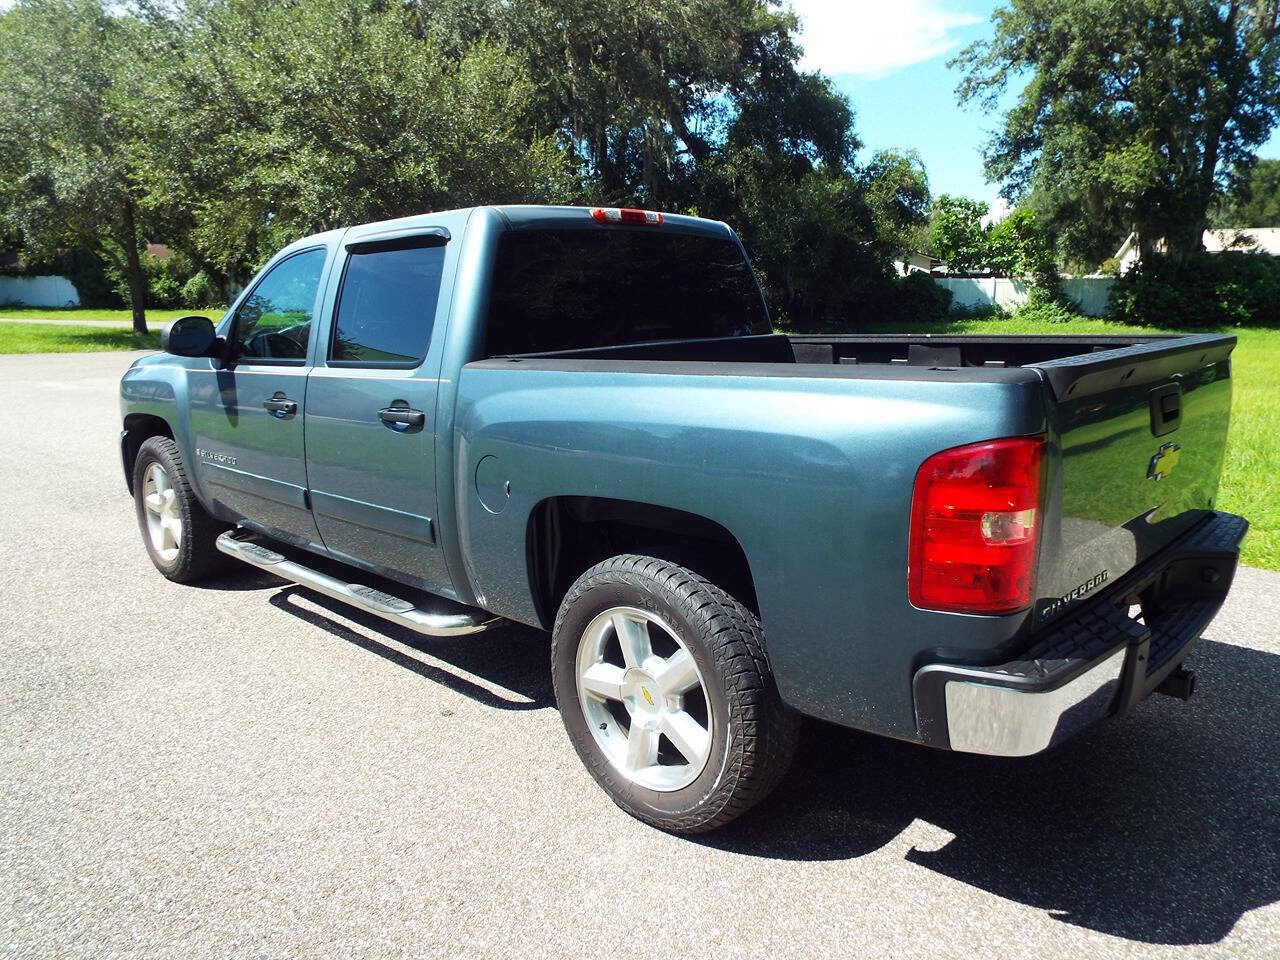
pixel 1134 114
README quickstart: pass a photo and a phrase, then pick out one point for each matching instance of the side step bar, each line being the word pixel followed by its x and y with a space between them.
pixel 238 544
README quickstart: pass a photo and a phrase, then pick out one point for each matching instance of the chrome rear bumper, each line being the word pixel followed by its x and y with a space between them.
pixel 1006 722
pixel 1095 663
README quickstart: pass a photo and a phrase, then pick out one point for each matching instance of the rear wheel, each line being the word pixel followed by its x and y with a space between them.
pixel 666 694
pixel 178 533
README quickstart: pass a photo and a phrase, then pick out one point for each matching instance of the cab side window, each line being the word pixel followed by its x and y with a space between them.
pixel 274 323
pixel 387 303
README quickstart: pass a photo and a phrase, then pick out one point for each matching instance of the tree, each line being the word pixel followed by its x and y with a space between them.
pixel 311 116
pixel 1017 246
pixel 957 234
pixel 897 189
pixel 1133 114
pixel 642 91
pixel 699 106
pixel 1255 199
pixel 69 123
pixel 247 124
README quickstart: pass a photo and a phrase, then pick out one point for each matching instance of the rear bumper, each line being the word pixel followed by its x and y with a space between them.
pixel 1095 663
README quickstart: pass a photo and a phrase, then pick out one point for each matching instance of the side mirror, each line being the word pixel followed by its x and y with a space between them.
pixel 190 337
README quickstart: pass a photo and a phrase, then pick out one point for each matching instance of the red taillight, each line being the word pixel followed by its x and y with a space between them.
pixel 975 518
pixel 626 215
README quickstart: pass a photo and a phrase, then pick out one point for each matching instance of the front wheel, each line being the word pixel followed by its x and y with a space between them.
pixel 179 534
pixel 667 696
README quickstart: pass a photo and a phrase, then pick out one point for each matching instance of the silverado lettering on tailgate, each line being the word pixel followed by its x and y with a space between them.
pixel 1058 603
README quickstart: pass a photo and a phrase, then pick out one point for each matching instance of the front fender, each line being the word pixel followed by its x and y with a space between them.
pixel 155 387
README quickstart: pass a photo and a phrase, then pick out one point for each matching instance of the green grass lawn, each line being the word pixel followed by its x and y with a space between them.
pixel 155 318
pixel 1251 474
pixel 60 338
pixel 40 337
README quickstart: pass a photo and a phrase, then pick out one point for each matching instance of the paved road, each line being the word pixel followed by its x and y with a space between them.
pixel 249 770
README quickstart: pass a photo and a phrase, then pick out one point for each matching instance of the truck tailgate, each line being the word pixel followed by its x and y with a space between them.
pixel 1140 432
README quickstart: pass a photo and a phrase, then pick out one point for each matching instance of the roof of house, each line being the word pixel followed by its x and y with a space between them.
pixel 1244 239
pixel 1251 239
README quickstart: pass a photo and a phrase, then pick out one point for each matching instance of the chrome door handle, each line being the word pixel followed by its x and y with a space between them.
pixel 403 416
pixel 280 406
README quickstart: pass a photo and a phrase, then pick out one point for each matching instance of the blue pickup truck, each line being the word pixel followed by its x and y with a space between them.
pixel 581 420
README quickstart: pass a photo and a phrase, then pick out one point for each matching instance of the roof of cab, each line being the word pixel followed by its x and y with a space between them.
pixel 517 217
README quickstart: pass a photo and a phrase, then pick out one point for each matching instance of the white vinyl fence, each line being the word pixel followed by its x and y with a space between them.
pixel 1090 293
pixel 38 292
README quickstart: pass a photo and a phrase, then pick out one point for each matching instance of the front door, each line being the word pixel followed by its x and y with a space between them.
pixel 371 413
pixel 247 418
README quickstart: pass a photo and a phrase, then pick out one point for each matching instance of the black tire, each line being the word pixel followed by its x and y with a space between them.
pixel 754 735
pixel 197 558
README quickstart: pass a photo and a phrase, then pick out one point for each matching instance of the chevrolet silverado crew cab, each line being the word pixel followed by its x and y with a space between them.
pixel 581 420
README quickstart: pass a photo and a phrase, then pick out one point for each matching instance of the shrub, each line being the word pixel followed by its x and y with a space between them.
pixel 202 291
pixel 1047 311
pixel 86 272
pixel 1219 289
pixel 977 311
pixel 917 298
pixel 165 278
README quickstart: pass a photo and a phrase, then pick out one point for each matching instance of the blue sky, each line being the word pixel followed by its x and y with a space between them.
pixel 889 58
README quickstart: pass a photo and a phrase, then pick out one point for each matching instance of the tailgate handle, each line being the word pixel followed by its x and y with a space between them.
pixel 1166 409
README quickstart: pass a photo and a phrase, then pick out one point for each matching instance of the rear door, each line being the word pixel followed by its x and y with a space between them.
pixel 247 416
pixel 370 425
pixel 1141 436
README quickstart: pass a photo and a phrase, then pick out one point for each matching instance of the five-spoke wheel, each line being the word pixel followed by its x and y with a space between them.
pixel 666 693
pixel 164 522
pixel 177 530
pixel 644 698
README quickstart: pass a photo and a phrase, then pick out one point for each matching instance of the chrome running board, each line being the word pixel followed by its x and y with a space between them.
pixel 238 544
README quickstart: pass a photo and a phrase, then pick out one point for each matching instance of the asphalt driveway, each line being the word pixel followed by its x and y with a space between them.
pixel 251 770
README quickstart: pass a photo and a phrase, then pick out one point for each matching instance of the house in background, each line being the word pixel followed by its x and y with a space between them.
pixel 918 263
pixel 1265 240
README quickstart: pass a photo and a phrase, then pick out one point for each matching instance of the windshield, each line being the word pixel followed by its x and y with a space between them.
pixel 568 289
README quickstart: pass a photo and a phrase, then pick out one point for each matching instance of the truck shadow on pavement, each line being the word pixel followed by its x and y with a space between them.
pixel 1162 828
pixel 513 659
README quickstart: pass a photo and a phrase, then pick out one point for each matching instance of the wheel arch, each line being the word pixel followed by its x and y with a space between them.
pixel 567 535
pixel 138 429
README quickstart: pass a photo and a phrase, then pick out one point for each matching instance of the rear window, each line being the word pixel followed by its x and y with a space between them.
pixel 570 289
pixel 388 303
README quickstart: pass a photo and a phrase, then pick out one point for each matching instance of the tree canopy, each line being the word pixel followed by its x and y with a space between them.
pixel 228 127
pixel 1255 199
pixel 70 133
pixel 1134 115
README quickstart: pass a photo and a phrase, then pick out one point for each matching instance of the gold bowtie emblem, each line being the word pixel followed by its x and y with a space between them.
pixel 1164 461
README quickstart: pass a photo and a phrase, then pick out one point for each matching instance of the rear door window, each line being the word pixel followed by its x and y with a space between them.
pixel 596 287
pixel 387 303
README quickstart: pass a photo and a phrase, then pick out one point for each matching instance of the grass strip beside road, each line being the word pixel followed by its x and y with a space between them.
pixel 155 318
pixel 63 338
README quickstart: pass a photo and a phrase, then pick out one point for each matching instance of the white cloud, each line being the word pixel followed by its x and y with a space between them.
pixel 871 38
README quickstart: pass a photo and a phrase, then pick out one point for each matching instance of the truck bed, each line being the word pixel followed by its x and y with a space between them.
pixel 1135 428
pixel 910 350
pixel 920 349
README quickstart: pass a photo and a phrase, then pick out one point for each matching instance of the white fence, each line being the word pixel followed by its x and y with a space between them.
pixel 38 292
pixel 1091 293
